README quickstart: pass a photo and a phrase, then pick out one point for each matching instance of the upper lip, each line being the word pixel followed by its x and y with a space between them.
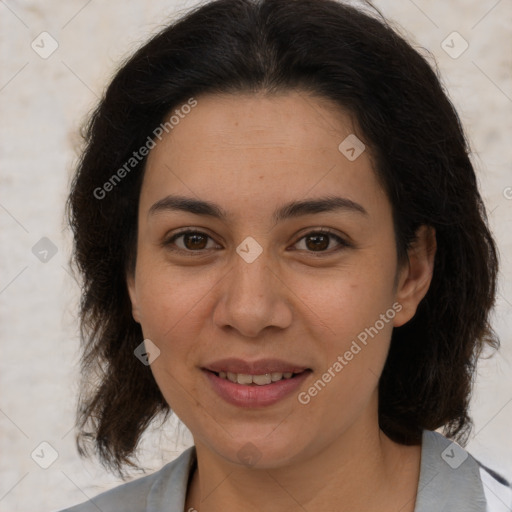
pixel 259 367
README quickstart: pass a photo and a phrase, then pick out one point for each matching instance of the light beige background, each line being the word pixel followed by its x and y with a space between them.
pixel 43 101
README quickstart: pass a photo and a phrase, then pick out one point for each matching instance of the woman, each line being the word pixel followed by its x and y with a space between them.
pixel 282 241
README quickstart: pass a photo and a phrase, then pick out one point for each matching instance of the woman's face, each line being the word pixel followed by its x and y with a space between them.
pixel 258 290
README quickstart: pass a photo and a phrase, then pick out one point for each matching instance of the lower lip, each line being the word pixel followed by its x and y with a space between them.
pixel 254 395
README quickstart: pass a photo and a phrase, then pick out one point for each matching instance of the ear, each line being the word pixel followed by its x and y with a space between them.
pixel 416 275
pixel 130 282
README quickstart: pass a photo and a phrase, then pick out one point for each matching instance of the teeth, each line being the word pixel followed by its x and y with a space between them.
pixel 260 380
pixel 242 378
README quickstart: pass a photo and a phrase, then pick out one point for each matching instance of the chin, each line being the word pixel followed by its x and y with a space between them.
pixel 259 451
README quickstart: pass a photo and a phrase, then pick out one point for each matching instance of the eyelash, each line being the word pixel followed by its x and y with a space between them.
pixel 167 243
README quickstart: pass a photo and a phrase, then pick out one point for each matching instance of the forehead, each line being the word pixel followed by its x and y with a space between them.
pixel 292 118
pixel 236 146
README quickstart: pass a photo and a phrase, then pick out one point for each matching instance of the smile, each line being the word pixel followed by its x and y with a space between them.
pixel 258 380
pixel 246 390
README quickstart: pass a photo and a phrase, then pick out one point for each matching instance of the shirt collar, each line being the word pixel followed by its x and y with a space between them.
pixel 169 492
pixel 449 480
pixel 449 477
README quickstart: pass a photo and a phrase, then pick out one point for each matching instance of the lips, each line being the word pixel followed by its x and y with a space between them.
pixel 254 384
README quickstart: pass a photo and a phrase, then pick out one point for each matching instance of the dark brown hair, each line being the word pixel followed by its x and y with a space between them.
pixel 336 52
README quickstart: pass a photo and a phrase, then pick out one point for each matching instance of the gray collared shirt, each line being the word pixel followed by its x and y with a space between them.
pixel 451 480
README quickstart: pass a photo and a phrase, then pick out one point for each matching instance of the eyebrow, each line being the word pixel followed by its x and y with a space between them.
pixel 289 210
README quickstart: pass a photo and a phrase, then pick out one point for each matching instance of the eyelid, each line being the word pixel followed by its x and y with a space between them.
pixel 342 241
pixel 168 240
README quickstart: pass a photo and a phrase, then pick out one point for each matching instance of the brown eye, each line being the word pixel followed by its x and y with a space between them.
pixel 193 241
pixel 319 241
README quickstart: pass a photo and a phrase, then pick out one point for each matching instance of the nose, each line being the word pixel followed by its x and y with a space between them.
pixel 253 297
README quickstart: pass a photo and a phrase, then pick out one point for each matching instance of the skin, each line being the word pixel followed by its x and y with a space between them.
pixel 251 154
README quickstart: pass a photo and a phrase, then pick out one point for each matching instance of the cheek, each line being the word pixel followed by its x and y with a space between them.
pixel 168 297
pixel 349 300
pixel 357 321
pixel 165 313
pixel 359 328
pixel 173 305
pixel 351 316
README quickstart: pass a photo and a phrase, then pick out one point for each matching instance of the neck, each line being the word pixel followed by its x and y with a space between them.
pixel 361 470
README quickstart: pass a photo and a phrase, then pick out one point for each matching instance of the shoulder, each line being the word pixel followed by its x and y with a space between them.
pixel 167 485
pixel 452 479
